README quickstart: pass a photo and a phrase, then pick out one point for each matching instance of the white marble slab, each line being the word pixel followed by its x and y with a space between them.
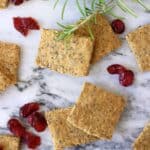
pixel 56 90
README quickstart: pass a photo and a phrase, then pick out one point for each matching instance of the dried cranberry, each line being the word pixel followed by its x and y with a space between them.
pixel 17 2
pixel 32 140
pixel 1 147
pixel 118 26
pixel 28 109
pixel 16 127
pixel 23 25
pixel 37 121
pixel 116 69
pixel 126 78
pixel 19 26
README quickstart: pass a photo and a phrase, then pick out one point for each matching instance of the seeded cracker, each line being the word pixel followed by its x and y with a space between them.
pixel 105 39
pixel 143 141
pixel 3 3
pixel 9 60
pixel 139 41
pixel 9 142
pixel 70 58
pixel 64 134
pixel 97 111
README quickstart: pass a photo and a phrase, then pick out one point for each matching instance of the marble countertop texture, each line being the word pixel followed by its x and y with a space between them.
pixel 54 90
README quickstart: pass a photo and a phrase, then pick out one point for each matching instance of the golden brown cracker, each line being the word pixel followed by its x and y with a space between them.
pixel 143 141
pixel 8 142
pixel 105 39
pixel 9 60
pixel 3 4
pixel 69 58
pixel 139 42
pixel 97 111
pixel 64 134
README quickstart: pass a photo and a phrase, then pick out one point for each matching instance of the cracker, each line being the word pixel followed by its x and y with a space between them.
pixel 3 3
pixel 8 142
pixel 9 60
pixel 105 39
pixel 64 134
pixel 139 43
pixel 5 81
pixel 69 58
pixel 97 111
pixel 143 141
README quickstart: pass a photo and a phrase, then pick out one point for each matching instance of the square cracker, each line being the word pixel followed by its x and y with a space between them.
pixel 8 142
pixel 70 58
pixel 105 39
pixel 5 81
pixel 139 41
pixel 9 60
pixel 63 133
pixel 3 3
pixel 97 111
pixel 143 141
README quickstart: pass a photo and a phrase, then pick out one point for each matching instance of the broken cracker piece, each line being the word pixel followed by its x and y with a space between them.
pixel 9 60
pixel 97 111
pixel 71 58
pixel 105 41
pixel 139 42
pixel 3 4
pixel 143 141
pixel 63 133
pixel 8 142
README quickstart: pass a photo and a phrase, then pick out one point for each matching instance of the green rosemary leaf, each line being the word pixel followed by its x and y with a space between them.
pixel 63 9
pixel 93 4
pixel 125 8
pixel 79 7
pixel 147 8
pixel 57 1
pixel 90 32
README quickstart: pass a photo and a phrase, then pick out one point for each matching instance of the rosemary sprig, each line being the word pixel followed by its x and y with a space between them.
pixel 88 13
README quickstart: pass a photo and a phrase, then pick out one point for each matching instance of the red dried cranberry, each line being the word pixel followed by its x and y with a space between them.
pixel 126 78
pixel 16 127
pixel 1 147
pixel 17 2
pixel 118 26
pixel 19 26
pixel 28 109
pixel 32 140
pixel 23 25
pixel 31 23
pixel 37 121
pixel 116 69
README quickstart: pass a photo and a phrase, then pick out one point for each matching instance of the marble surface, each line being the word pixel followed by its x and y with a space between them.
pixel 54 90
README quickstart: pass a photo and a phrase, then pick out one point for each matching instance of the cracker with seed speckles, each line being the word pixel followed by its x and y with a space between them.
pixel 105 39
pixel 97 111
pixel 71 58
pixel 139 42
pixel 9 142
pixel 5 81
pixel 3 4
pixel 64 134
pixel 9 60
pixel 143 141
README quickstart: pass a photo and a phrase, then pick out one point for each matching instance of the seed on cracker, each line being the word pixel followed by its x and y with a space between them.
pixel 8 142
pixel 97 111
pixel 143 141
pixel 68 57
pixel 139 42
pixel 105 40
pixel 9 60
pixel 63 133
pixel 3 4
